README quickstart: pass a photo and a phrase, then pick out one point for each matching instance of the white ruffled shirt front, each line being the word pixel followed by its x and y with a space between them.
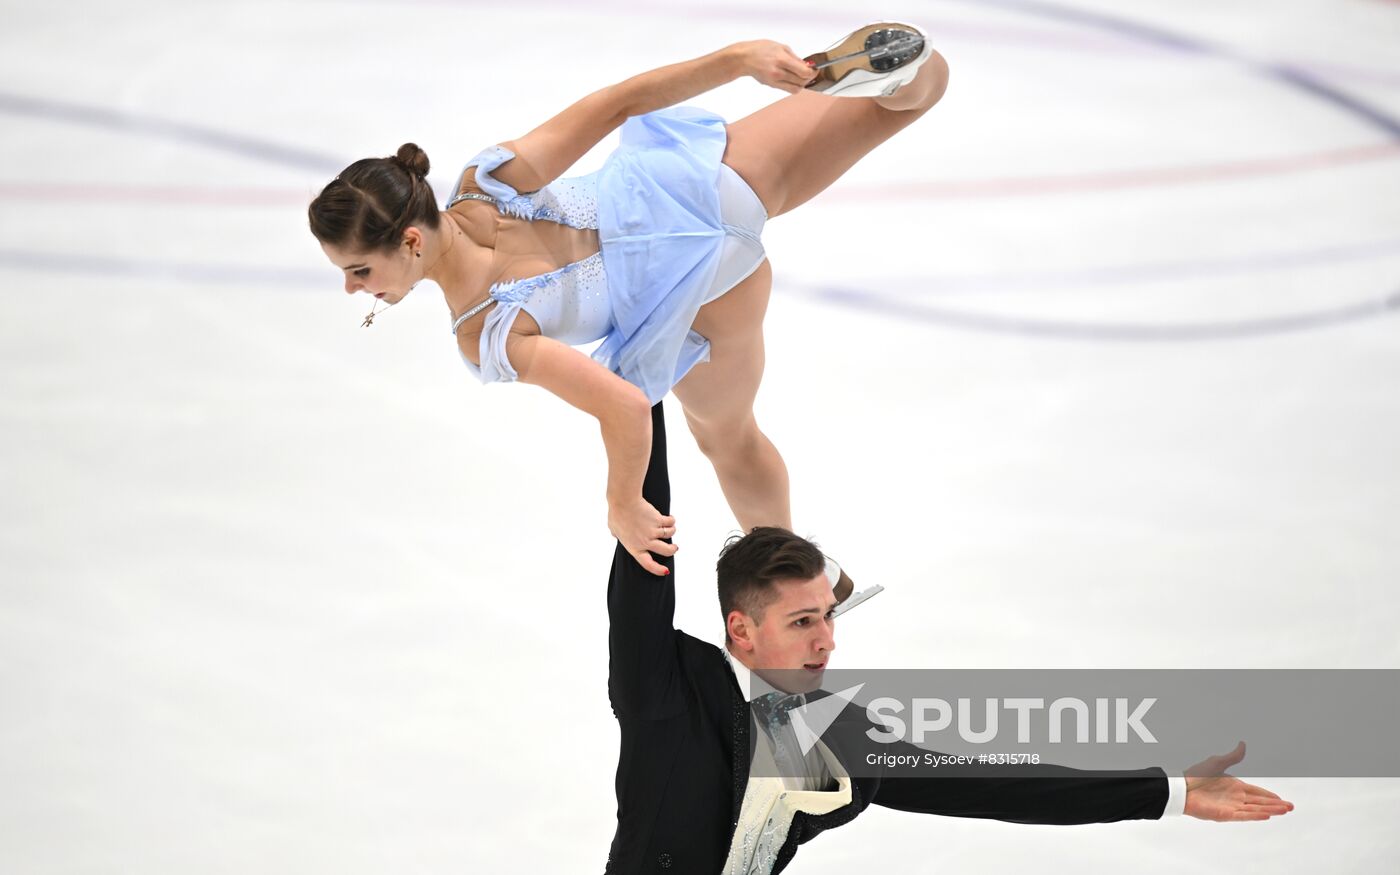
pixel 771 803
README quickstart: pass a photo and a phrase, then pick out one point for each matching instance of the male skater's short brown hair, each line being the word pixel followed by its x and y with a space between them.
pixel 749 566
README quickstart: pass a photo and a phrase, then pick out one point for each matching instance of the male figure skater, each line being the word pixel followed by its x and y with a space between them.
pixel 686 800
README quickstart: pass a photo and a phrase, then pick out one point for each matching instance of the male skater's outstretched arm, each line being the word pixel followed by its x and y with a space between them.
pixel 642 660
pixel 673 784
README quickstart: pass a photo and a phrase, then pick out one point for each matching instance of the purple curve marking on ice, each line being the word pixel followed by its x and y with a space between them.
pixel 1118 275
pixel 1109 36
pixel 1086 18
pixel 188 272
pixel 190 195
pixel 1292 76
pixel 1104 42
pixel 1146 273
pixel 1347 71
pixel 932 189
pixel 1177 332
pixel 101 117
pixel 1118 179
pixel 1304 80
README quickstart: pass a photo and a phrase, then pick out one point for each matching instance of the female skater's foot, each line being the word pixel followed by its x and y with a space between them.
pixel 871 62
pixel 844 590
pixel 841 585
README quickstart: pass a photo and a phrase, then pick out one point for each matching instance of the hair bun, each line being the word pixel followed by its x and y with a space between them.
pixel 412 159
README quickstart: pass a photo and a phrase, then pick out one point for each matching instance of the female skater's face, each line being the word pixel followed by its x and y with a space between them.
pixel 386 275
pixel 796 636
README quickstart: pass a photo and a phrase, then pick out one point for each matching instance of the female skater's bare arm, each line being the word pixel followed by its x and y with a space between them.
pixel 550 149
pixel 624 415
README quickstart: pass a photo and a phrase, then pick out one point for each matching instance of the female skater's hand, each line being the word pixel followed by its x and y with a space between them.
pixel 775 65
pixel 640 527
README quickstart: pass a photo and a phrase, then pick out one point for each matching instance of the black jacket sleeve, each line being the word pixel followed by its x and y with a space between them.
pixel 643 666
pixel 1026 793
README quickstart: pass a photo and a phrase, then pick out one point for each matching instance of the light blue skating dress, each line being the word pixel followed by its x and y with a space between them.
pixel 676 228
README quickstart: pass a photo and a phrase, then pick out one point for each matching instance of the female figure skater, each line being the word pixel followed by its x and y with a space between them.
pixel 657 253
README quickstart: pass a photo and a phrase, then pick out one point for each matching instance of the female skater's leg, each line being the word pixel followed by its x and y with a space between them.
pixel 787 153
pixel 790 151
pixel 718 397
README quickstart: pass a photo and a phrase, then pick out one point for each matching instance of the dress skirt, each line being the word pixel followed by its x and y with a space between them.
pixel 677 228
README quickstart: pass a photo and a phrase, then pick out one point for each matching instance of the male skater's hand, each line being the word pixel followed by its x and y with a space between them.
pixel 1213 795
pixel 641 527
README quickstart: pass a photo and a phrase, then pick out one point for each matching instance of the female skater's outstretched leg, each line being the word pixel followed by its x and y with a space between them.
pixel 789 151
pixel 718 396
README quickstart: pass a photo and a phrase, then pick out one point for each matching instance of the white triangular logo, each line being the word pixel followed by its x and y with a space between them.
pixel 811 720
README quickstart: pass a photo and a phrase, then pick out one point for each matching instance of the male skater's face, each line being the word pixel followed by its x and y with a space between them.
pixel 796 635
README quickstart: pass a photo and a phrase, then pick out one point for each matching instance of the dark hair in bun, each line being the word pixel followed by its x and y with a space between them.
pixel 373 201
pixel 413 159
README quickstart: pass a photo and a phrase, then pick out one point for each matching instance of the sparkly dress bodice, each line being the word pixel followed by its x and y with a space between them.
pixel 628 254
pixel 570 302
